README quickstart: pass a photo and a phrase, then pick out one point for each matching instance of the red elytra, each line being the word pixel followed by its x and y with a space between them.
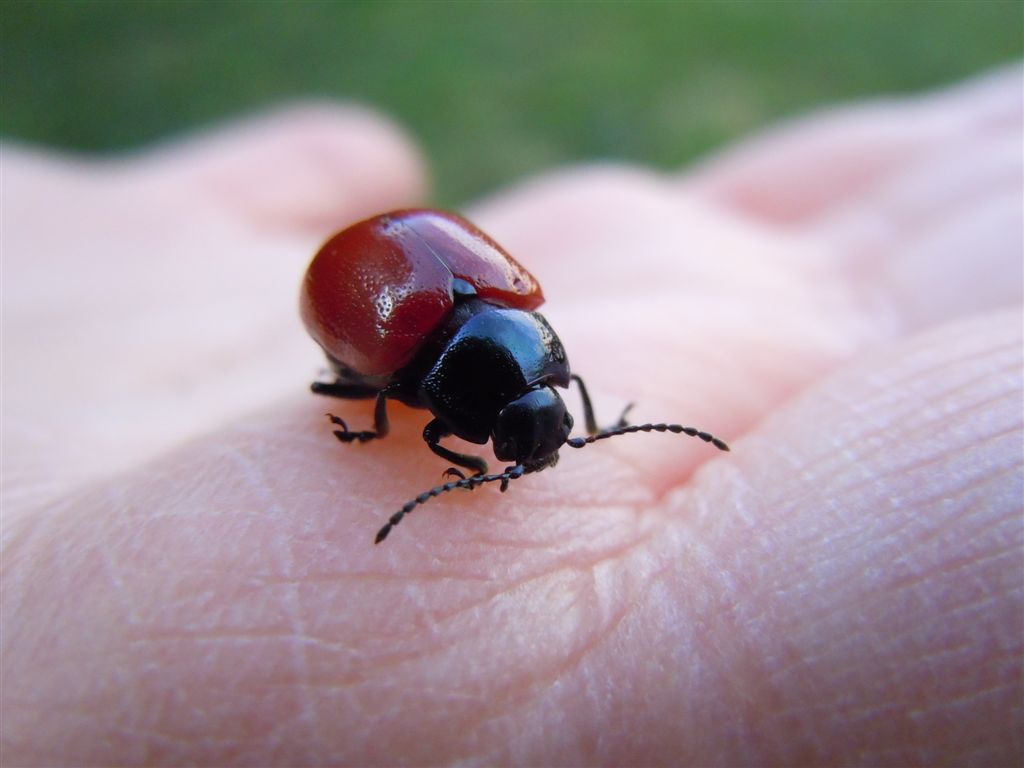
pixel 377 289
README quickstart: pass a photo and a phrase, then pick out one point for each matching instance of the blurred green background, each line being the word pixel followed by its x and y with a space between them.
pixel 493 91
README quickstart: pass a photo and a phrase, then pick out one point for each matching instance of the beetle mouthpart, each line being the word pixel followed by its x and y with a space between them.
pixel 707 437
pixel 469 483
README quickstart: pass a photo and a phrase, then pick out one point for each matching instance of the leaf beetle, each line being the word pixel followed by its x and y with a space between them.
pixel 422 307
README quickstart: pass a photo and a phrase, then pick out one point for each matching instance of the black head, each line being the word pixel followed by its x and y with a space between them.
pixel 532 428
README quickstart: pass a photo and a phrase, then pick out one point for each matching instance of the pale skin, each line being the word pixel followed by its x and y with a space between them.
pixel 189 573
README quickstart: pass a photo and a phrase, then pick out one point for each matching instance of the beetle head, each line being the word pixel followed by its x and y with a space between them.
pixel 532 428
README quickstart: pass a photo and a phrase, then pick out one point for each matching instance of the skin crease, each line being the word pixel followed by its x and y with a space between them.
pixel 188 567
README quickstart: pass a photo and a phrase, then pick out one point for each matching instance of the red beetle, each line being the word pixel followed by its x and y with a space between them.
pixel 422 307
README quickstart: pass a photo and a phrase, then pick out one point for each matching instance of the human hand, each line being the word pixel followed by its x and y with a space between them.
pixel 188 567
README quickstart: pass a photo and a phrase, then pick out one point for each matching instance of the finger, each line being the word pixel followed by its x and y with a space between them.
pixel 801 171
pixel 704 318
pixel 863 550
pixel 144 303
pixel 942 239
pixel 308 167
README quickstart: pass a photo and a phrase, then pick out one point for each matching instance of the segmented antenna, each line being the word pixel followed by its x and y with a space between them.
pixel 579 442
pixel 471 482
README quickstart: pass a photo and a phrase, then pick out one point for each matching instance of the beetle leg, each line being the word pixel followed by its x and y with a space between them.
pixel 342 390
pixel 588 411
pixel 623 421
pixel 433 433
pixel 381 426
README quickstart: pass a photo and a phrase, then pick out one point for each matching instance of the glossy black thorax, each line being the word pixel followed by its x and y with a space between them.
pixel 481 359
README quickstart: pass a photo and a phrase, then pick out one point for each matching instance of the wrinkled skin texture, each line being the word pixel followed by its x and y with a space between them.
pixel 188 567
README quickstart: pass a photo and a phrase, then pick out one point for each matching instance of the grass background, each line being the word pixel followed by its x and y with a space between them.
pixel 493 91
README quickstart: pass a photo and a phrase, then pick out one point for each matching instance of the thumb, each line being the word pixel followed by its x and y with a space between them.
pixel 311 166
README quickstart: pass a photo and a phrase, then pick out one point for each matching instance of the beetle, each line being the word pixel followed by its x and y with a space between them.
pixel 420 306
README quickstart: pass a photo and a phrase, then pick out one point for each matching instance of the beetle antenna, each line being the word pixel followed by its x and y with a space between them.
pixel 579 442
pixel 471 482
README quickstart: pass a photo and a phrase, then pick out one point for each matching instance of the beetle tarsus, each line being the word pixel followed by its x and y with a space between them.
pixel 381 425
pixel 623 421
pixel 346 435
